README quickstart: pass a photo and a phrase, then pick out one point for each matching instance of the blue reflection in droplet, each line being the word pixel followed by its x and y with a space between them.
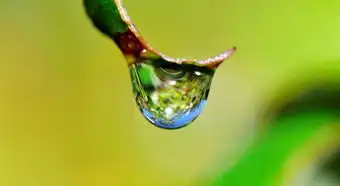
pixel 179 121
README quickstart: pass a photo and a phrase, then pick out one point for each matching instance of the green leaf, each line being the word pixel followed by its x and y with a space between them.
pixel 105 16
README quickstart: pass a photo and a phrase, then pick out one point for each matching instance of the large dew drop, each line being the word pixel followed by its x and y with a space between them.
pixel 170 93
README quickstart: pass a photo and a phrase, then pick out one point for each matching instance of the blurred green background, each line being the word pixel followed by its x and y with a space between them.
pixel 67 114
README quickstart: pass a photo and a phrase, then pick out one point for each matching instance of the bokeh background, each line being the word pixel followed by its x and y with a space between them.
pixel 67 114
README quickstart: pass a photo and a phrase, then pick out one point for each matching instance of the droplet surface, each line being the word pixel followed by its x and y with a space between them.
pixel 170 95
pixel 170 92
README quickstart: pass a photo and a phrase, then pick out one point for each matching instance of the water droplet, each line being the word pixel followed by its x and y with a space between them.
pixel 170 92
pixel 170 95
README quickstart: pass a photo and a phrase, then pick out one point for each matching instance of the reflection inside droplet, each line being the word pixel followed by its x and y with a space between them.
pixel 170 95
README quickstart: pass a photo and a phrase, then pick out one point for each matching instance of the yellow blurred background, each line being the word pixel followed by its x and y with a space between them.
pixel 67 114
